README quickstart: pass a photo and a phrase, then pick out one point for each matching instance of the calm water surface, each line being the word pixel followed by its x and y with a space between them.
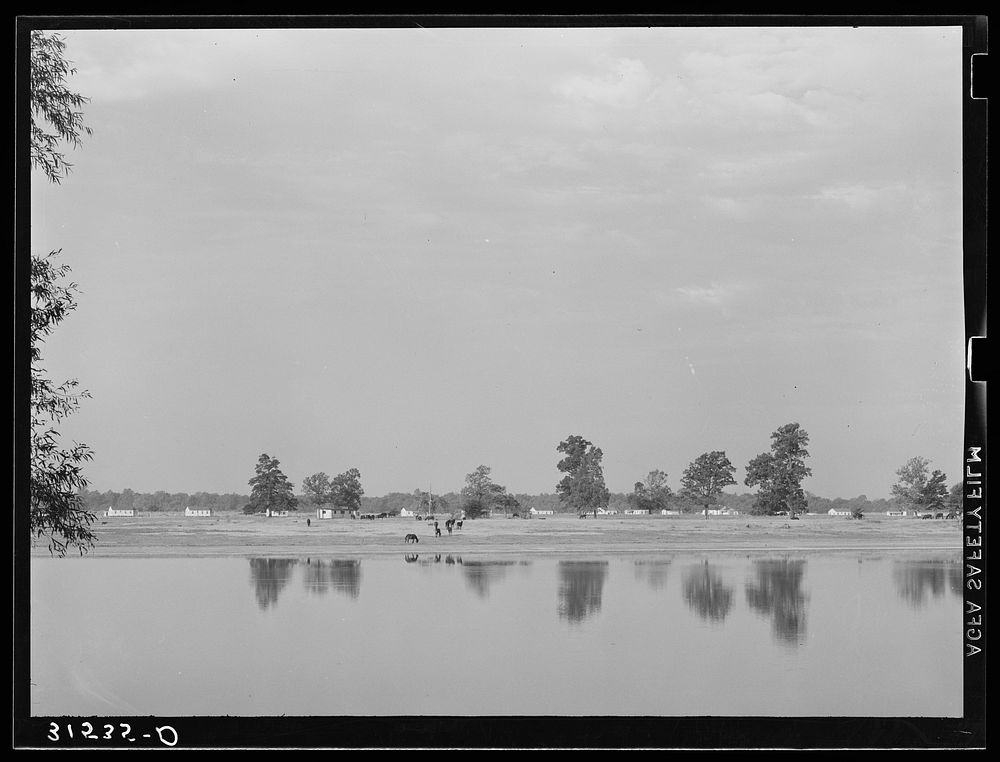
pixel 684 634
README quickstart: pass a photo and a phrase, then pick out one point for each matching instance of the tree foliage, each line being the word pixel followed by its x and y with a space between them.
pixel 653 494
pixel 316 488
pixel 55 109
pixel 582 489
pixel 270 488
pixel 57 509
pixel 779 473
pixel 919 488
pixel 705 478
pixel 346 490
pixel 480 493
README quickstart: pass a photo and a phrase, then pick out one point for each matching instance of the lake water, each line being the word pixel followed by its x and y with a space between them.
pixel 812 634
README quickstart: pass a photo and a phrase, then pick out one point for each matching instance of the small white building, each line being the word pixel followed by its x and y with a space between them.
pixel 112 512
pixel 895 513
pixel 270 512
pixel 835 512
pixel 666 512
pixel 407 513
pixel 607 511
pixel 197 511
pixel 637 512
pixel 332 512
pixel 536 512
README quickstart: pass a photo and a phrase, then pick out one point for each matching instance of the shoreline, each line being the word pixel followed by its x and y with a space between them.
pixel 235 535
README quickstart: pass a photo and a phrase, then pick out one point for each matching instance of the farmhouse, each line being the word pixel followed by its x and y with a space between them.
pixel 119 512
pixel 405 512
pixel 835 512
pixel 665 512
pixel 333 512
pixel 637 511
pixel 607 511
pixel 536 512
pixel 197 511
pixel 271 512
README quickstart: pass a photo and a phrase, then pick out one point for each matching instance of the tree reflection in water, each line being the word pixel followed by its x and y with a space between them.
pixel 776 593
pixel 653 572
pixel 269 577
pixel 705 592
pixel 581 584
pixel 479 575
pixel 340 574
pixel 916 581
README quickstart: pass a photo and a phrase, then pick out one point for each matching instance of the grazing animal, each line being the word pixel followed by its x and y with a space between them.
pixel 437 530
pixel 459 523
pixel 411 558
pixel 411 538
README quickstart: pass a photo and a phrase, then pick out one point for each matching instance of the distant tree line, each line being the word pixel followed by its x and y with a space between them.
pixel 777 474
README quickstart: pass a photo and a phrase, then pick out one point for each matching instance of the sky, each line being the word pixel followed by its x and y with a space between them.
pixel 414 251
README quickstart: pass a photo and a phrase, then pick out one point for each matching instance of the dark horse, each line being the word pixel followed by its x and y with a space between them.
pixel 411 538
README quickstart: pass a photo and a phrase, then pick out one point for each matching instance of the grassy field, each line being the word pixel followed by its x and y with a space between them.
pixel 162 535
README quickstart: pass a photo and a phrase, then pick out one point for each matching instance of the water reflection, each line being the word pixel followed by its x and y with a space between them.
pixel 917 581
pixel 653 572
pixel 269 577
pixel 705 592
pixel 479 575
pixel 342 575
pixel 776 592
pixel 580 586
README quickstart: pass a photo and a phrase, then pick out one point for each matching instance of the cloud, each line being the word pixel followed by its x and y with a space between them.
pixel 625 86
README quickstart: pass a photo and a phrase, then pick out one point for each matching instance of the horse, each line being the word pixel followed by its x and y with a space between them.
pixel 459 523
pixel 437 530
pixel 411 538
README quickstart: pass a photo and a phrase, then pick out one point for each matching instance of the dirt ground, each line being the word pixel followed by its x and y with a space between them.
pixel 165 535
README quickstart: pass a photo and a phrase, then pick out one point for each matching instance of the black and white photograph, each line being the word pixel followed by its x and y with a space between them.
pixel 499 382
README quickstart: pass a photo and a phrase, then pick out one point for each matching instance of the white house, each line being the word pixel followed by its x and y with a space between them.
pixel 637 512
pixel 607 511
pixel 332 512
pixel 406 512
pixel 665 512
pixel 119 512
pixel 835 512
pixel 271 512
pixel 895 513
pixel 536 512
pixel 197 511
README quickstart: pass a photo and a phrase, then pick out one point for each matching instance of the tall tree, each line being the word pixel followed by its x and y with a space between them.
pixel 316 488
pixel 920 488
pixel 270 488
pixel 480 492
pixel 346 489
pixel 779 473
pixel 582 489
pixel 706 477
pixel 653 494
pixel 56 483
